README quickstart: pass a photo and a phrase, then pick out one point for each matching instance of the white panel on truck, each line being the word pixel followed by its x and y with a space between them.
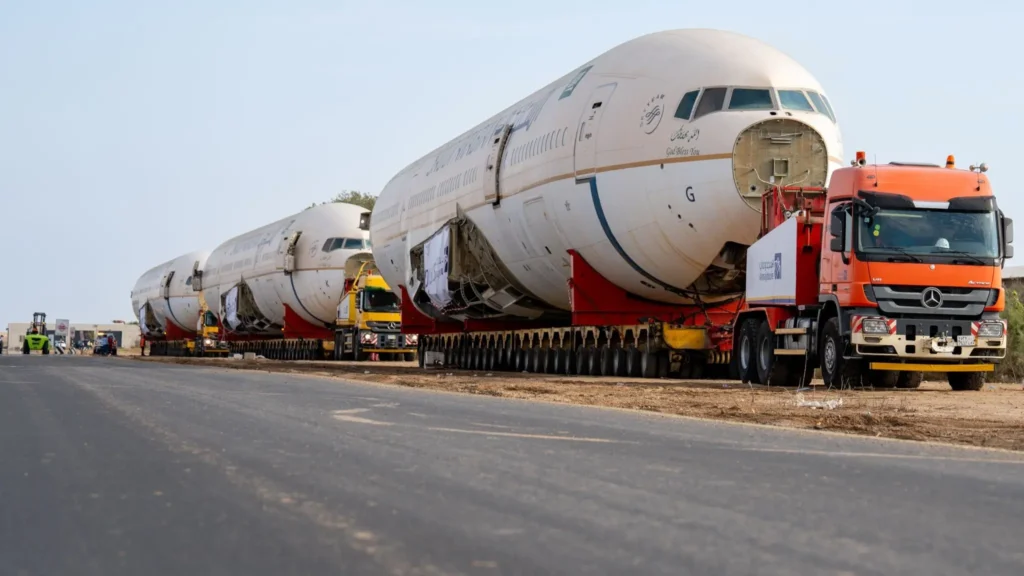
pixel 771 266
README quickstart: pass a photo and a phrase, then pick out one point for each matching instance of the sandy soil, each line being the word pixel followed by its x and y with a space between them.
pixel 992 417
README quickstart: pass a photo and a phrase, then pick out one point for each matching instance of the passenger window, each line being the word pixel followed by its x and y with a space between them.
pixel 751 99
pixel 711 101
pixel 794 100
pixel 820 104
pixel 353 243
pixel 685 107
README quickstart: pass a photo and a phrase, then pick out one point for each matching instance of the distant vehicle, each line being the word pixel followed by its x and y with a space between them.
pixel 105 346
pixel 35 336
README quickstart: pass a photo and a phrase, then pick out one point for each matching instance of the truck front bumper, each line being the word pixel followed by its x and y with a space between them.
pixel 979 341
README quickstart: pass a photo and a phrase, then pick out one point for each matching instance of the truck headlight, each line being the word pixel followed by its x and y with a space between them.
pixel 874 326
pixel 207 342
pixel 412 339
pixel 990 330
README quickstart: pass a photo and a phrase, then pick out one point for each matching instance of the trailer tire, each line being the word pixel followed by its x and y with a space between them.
pixel 962 381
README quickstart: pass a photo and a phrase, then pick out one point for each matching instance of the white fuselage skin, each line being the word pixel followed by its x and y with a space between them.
pixel 316 285
pixel 180 304
pixel 665 188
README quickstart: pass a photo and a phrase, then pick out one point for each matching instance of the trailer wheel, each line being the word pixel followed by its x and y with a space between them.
pixel 961 381
pixel 632 362
pixel 836 371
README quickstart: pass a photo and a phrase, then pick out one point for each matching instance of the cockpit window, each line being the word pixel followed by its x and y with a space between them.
pixel 685 107
pixel 831 112
pixel 712 100
pixel 751 99
pixel 820 105
pixel 333 244
pixel 794 100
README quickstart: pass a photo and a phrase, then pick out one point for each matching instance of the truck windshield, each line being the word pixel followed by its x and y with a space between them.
pixel 933 233
pixel 380 301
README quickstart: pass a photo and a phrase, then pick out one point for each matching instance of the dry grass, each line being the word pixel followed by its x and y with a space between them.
pixel 993 417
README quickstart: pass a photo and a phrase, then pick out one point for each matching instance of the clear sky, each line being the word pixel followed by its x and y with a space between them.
pixel 134 131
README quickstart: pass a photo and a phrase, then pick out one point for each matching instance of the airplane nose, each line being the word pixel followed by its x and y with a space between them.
pixel 777 151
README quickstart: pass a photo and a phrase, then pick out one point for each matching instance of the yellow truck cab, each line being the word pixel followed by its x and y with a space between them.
pixel 370 321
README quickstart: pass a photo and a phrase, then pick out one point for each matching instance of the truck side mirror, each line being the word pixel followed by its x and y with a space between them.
pixel 835 229
pixel 1007 237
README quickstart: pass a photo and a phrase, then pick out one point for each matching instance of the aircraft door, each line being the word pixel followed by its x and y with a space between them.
pixel 492 166
pixel 286 252
pixel 585 155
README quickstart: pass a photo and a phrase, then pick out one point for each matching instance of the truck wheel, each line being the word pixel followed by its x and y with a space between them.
pixel 771 370
pixel 24 348
pixel 745 350
pixel 909 380
pixel 409 356
pixel 46 347
pixel 836 371
pixel 961 381
pixel 882 378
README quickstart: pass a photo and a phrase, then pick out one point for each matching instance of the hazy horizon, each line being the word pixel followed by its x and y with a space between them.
pixel 131 134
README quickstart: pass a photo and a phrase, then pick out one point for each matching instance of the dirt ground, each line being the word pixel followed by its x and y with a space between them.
pixel 992 417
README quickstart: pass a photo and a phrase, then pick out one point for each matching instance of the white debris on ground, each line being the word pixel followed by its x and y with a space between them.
pixel 814 404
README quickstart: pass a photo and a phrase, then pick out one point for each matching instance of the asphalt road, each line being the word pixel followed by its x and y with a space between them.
pixel 112 466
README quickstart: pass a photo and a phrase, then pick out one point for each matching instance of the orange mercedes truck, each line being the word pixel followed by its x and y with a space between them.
pixel 894 271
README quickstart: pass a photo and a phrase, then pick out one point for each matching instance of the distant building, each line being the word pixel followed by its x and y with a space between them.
pixel 127 335
pixel 1013 279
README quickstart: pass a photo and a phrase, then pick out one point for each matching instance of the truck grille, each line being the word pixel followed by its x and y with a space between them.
pixel 383 326
pixel 932 300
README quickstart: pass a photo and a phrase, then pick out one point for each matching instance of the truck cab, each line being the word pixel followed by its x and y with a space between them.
pixel 370 321
pixel 908 280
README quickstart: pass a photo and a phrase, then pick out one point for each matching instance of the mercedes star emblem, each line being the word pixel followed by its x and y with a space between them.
pixel 931 298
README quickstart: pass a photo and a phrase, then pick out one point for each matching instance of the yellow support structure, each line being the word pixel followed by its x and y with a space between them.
pixel 896 366
pixel 686 338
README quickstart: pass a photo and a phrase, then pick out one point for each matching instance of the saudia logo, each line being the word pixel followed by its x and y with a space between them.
pixel 653 112
pixel 768 270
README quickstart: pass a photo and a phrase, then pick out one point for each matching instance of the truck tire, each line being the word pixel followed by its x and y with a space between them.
pixel 882 378
pixel 771 370
pixel 836 371
pixel 46 347
pixel 24 348
pixel 910 380
pixel 746 352
pixel 961 381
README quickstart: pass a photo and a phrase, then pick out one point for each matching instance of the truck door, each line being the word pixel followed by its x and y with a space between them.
pixel 585 152
pixel 836 264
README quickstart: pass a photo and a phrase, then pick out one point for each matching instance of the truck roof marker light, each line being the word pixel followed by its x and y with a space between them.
pixel 950 162
pixel 861 158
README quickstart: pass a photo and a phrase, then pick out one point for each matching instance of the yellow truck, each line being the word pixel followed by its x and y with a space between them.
pixel 370 321
pixel 207 341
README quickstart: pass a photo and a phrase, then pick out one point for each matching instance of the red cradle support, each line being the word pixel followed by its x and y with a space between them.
pixel 597 302
pixel 297 327
pixel 173 332
pixel 416 322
